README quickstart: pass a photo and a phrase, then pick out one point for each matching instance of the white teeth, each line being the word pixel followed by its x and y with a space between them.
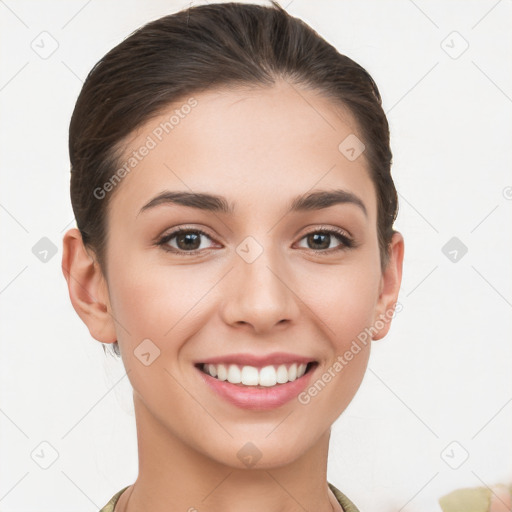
pixel 292 372
pixel 234 374
pixel 222 373
pixel 212 370
pixel 282 374
pixel 251 376
pixel 267 376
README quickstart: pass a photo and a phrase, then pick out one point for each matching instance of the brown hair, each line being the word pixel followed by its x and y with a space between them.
pixel 199 48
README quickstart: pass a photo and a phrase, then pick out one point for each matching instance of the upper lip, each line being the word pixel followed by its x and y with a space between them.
pixel 258 360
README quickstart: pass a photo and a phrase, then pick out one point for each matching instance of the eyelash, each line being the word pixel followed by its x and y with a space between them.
pixel 346 242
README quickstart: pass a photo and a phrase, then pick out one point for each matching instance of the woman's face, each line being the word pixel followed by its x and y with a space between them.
pixel 260 279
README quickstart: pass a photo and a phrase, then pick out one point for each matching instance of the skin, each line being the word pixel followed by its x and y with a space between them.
pixel 259 148
pixel 501 499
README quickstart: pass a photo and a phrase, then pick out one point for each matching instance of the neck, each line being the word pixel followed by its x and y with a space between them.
pixel 175 476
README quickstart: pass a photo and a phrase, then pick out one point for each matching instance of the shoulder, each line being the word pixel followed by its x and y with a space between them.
pixel 109 507
pixel 477 499
pixel 346 504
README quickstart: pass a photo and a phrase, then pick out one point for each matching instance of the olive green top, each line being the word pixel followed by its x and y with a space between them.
pixel 473 499
pixel 109 507
pixel 476 499
pixel 347 505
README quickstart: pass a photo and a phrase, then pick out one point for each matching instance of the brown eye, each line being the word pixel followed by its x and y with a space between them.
pixel 184 241
pixel 188 241
pixel 321 240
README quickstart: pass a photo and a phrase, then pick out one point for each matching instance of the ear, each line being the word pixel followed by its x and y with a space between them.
pixel 389 287
pixel 87 287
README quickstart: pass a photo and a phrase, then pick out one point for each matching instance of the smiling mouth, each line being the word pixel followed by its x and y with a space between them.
pixel 250 376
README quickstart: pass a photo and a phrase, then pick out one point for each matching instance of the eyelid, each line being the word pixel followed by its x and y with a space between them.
pixel 322 227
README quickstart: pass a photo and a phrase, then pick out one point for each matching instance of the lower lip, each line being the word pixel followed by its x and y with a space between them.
pixel 258 398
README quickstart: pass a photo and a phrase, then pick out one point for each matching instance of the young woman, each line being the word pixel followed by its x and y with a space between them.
pixel 231 186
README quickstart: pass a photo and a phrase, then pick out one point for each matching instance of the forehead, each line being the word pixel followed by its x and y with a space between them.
pixel 254 145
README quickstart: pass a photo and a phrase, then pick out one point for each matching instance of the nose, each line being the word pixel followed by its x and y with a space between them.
pixel 260 294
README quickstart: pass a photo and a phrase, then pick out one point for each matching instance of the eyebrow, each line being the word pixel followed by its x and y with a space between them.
pixel 214 203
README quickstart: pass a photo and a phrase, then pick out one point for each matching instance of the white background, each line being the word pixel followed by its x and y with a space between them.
pixel 442 374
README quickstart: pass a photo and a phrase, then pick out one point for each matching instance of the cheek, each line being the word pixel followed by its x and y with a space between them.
pixel 347 309
pixel 156 302
pixel 345 300
pixel 160 304
pixel 346 313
